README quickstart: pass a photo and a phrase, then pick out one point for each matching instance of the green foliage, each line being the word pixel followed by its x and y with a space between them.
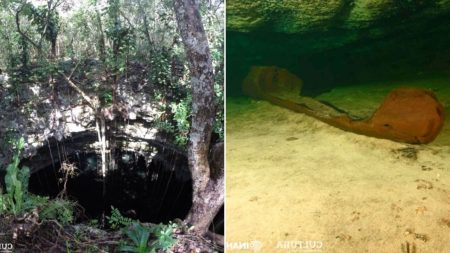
pixel 121 37
pixel 47 23
pixel 140 235
pixel 181 113
pixel 24 55
pixel 43 70
pixel 34 201
pixel 164 126
pixel 164 236
pixel 161 70
pixel 78 33
pixel 173 93
pixel 117 220
pixel 13 200
pixel 218 126
pixel 93 223
pixel 17 200
pixel 179 125
pixel 118 33
pixel 68 247
pixel 58 209
pixel 106 97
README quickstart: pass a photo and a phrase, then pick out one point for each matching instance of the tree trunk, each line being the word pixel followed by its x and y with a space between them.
pixel 101 40
pixel 208 195
pixel 53 42
pixel 146 31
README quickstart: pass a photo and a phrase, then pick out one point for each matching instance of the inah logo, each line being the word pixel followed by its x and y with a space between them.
pixel 252 245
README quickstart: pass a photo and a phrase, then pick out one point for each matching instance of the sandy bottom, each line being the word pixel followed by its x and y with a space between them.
pixel 295 184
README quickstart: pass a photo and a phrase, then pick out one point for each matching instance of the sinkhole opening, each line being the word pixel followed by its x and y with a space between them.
pixel 153 188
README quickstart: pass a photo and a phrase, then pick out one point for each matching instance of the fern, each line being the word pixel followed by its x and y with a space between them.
pixel 164 238
pixel 58 209
pixel 117 220
pixel 140 235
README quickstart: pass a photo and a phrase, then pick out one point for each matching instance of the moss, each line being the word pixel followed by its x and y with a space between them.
pixel 244 15
pixel 300 16
pixel 366 12
pixel 281 16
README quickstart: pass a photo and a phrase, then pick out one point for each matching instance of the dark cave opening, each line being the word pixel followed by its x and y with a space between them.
pixel 152 186
pixel 157 189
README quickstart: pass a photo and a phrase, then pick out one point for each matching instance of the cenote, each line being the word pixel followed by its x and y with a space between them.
pixel 152 186
pixel 352 189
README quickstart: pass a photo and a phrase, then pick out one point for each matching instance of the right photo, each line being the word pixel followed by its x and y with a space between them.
pixel 337 126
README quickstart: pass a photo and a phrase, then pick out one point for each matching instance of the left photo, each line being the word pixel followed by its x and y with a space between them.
pixel 112 126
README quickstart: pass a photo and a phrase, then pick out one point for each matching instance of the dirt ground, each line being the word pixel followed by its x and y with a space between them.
pixel 295 184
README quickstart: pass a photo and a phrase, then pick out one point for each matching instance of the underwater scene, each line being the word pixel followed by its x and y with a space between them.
pixel 338 126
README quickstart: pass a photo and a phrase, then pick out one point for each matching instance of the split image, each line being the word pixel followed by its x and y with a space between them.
pixel 224 126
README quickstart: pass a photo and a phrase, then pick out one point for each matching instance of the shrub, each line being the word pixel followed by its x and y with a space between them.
pixel 140 236
pixel 16 200
pixel 16 181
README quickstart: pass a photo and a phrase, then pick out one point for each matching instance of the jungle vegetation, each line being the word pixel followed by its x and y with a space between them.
pixel 179 46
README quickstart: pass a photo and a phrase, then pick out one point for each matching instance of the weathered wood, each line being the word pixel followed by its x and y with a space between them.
pixel 408 115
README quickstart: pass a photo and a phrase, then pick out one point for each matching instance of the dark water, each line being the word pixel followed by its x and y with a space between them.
pixel 156 190
pixel 151 191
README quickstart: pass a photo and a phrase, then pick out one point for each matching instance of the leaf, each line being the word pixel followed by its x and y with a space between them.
pixel 128 248
pixel 24 177
pixel 133 235
pixel 9 178
pixel 18 196
pixel 144 238
pixel 2 204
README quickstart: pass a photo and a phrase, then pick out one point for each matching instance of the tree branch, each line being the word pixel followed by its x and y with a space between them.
pixel 73 70
pixel 50 9
pixel 216 238
pixel 146 31
pixel 126 18
pixel 49 4
pixel 90 101
pixel 38 47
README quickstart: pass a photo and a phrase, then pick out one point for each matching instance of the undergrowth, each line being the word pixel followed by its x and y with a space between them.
pixel 141 238
pixel 16 200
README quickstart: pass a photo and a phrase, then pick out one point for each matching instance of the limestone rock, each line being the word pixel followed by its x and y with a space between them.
pixel 299 16
pixel 283 16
